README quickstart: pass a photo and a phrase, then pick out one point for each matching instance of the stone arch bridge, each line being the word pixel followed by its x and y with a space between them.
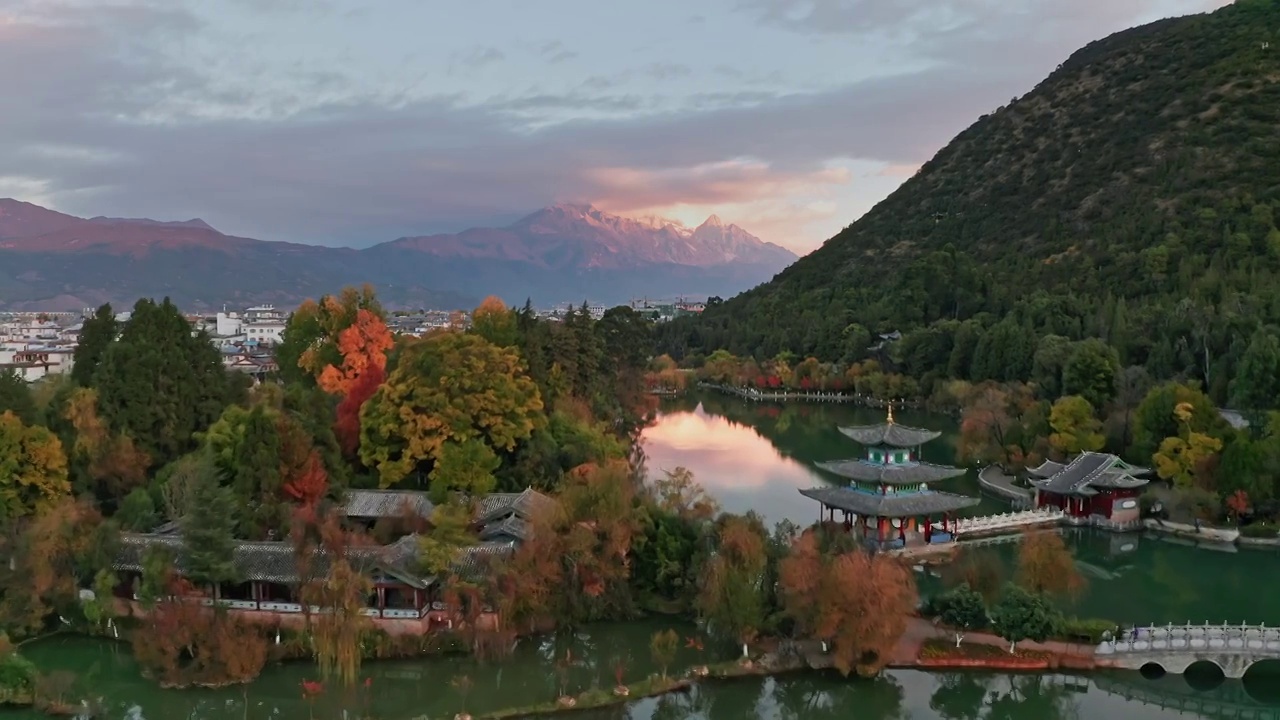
pixel 1174 648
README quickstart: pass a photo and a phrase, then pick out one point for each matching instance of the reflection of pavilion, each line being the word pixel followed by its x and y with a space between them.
pixel 888 500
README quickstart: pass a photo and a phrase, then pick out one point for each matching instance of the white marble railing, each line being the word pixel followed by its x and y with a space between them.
pixel 1190 638
pixel 987 523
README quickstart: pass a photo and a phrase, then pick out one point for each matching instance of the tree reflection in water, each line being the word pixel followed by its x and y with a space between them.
pixel 1031 696
pixel 960 696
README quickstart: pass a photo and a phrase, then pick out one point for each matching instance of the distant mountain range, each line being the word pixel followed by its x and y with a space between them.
pixel 565 253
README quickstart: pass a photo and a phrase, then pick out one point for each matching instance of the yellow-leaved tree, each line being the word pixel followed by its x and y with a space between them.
pixel 33 469
pixel 1180 456
pixel 447 387
pixel 1075 429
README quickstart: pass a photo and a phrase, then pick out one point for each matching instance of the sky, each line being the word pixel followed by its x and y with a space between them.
pixel 347 122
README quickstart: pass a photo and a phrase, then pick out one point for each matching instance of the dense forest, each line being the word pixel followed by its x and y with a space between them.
pixel 1131 197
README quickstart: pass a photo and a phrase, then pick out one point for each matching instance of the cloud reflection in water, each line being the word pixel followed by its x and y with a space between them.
pixel 739 467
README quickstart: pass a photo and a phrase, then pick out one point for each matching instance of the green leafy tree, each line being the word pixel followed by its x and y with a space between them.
pixel 963 609
pixel 732 595
pixel 96 335
pixel 208 534
pixel 1021 615
pixel 1155 418
pixel 160 383
pixel 464 467
pixel 137 512
pixel 1075 429
pixel 15 396
pixel 448 387
pixel 495 322
pixel 1091 372
pixel 1257 382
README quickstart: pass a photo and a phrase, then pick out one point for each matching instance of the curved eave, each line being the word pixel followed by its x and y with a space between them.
pixel 1085 491
pixel 890 506
pixel 891 434
pixel 891 474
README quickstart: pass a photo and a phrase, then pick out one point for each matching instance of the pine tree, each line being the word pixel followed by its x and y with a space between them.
pixel 160 382
pixel 208 534
pixel 96 335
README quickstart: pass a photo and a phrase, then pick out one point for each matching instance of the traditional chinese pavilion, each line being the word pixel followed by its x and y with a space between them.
pixel 1093 485
pixel 888 500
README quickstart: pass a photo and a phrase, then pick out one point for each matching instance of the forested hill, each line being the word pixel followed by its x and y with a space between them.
pixel 1133 195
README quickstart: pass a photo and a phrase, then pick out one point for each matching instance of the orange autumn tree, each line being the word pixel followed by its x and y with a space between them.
pixel 1045 565
pixel 575 566
pixel 55 555
pixel 115 464
pixel 364 346
pixel 183 643
pixel 859 602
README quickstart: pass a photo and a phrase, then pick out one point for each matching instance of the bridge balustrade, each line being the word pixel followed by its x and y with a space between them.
pixel 1171 638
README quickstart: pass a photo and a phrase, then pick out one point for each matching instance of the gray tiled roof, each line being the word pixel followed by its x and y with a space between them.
pixel 891 434
pixel 274 561
pixel 473 560
pixel 513 527
pixel 387 503
pixel 1089 471
pixel 1046 469
pixel 891 473
pixel 498 505
pixel 927 502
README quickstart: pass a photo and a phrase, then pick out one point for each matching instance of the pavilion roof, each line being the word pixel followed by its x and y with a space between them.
pixel 859 502
pixel 889 433
pixel 1088 472
pixel 891 473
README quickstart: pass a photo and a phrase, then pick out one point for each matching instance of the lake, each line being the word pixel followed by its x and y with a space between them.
pixel 755 457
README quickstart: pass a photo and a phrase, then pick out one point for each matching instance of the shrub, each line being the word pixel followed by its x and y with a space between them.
pixel 1090 630
pixel 1260 530
pixel 17 675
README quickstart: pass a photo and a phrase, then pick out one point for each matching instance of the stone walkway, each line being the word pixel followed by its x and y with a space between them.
pixel 919 630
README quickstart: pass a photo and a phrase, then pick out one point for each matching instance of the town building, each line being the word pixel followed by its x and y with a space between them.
pixel 1094 488
pixel 888 501
pixel 403 599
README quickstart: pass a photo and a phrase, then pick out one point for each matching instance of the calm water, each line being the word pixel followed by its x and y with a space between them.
pixel 755 457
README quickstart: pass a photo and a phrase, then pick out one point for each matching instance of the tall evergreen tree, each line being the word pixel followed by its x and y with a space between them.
pixel 161 382
pixel 96 335
pixel 208 533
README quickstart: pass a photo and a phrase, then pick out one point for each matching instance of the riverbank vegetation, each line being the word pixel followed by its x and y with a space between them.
pixel 1030 605
pixel 1075 396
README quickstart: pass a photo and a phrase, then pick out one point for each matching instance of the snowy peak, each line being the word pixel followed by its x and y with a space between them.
pixel 581 236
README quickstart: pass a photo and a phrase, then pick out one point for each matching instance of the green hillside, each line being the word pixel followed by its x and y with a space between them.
pixel 1133 195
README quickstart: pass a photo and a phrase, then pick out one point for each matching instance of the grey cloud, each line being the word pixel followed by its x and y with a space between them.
pixel 477 57
pixel 364 171
pixel 555 52
pixel 667 71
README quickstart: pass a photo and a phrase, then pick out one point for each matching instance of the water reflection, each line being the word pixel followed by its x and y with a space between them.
pixel 755 456
pixel 738 466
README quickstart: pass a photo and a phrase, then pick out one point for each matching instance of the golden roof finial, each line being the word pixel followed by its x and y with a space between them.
pixel 890 420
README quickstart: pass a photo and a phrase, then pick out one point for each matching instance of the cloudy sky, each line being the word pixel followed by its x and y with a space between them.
pixel 353 122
